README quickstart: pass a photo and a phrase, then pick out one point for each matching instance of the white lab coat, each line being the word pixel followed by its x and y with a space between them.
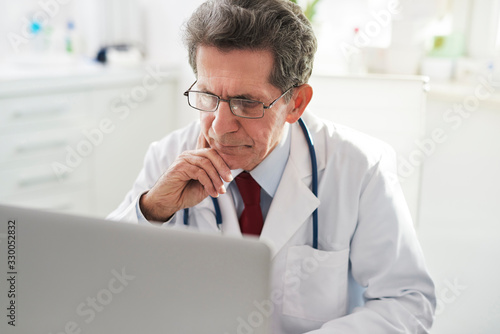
pixel 367 244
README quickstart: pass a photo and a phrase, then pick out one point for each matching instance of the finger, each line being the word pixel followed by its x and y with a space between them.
pixel 219 164
pixel 208 185
pixel 200 175
pixel 202 142
pixel 217 160
pixel 211 154
pixel 204 161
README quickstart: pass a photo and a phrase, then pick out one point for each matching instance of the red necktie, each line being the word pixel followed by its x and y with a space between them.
pixel 251 221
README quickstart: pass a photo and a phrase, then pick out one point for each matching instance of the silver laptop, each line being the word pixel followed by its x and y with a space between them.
pixel 69 274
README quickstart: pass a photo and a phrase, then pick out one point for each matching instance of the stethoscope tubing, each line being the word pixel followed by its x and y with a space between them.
pixel 314 168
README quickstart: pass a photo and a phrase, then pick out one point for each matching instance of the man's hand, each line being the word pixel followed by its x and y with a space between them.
pixel 192 177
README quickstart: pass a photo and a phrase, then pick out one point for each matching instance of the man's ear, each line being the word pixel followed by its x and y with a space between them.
pixel 301 98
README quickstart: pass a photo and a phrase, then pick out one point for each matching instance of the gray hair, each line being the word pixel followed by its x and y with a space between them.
pixel 275 25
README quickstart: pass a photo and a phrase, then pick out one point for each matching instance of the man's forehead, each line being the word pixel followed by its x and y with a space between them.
pixel 234 69
pixel 258 63
pixel 227 89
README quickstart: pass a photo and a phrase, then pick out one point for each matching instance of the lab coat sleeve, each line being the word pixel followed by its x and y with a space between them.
pixel 387 260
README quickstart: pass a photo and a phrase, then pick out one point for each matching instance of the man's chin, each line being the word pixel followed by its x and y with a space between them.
pixel 234 162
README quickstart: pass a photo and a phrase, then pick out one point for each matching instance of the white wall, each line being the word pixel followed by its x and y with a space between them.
pixel 163 20
pixel 459 213
pixel 153 23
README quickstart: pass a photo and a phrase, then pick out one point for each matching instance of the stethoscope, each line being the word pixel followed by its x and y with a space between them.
pixel 314 167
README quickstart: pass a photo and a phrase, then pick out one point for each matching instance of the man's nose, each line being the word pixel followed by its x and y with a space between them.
pixel 224 120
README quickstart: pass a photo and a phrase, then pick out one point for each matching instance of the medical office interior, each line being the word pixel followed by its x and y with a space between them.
pixel 422 75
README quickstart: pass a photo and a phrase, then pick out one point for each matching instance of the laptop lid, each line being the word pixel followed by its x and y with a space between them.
pixel 69 274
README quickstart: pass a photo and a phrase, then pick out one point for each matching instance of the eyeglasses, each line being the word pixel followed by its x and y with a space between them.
pixel 239 107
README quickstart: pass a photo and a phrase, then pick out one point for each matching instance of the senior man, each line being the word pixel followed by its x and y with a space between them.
pixel 252 60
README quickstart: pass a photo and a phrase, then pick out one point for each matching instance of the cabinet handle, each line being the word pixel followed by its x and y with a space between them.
pixel 45 145
pixel 39 112
pixel 64 206
pixel 38 179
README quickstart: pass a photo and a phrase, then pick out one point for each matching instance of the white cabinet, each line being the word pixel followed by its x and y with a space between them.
pixel 391 108
pixel 34 131
pixel 120 156
pixel 76 143
pixel 460 220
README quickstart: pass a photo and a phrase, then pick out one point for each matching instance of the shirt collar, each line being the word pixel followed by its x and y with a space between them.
pixel 268 173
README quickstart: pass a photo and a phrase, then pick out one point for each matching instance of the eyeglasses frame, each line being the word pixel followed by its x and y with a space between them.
pixel 186 93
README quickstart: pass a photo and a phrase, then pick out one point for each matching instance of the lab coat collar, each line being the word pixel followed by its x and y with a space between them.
pixel 230 225
pixel 294 202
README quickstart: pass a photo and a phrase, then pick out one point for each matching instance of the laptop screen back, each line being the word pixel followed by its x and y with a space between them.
pixel 68 274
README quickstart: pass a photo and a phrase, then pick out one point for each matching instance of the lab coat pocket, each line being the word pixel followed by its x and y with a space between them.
pixel 315 283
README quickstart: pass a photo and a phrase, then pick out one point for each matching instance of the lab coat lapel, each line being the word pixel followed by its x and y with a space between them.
pixel 230 225
pixel 294 202
pixel 205 219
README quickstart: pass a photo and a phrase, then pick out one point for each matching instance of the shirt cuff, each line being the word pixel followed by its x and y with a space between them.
pixel 140 216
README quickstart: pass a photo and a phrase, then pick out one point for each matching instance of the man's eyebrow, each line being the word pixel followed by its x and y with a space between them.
pixel 238 96
pixel 246 97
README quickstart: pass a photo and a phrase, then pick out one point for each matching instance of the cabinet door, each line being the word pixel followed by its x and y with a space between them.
pixel 35 134
pixel 41 112
pixel 386 107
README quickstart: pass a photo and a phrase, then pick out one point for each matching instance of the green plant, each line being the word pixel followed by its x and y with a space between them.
pixel 310 9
